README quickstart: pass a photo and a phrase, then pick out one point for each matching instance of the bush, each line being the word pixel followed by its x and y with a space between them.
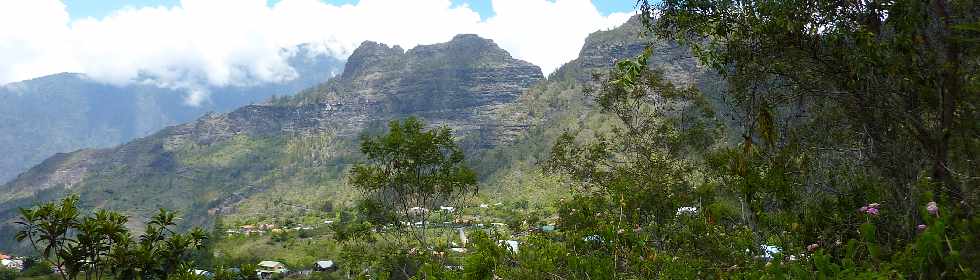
pixel 8 274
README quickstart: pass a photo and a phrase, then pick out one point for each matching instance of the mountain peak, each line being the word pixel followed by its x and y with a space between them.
pixel 471 39
pixel 367 54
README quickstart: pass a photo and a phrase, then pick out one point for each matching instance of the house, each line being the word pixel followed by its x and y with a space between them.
pixel 449 209
pixel 271 267
pixel 769 251
pixel 688 210
pixel 267 226
pixel 548 228
pixel 12 264
pixel 5 257
pixel 205 273
pixel 511 244
pixel 418 211
pixel 327 266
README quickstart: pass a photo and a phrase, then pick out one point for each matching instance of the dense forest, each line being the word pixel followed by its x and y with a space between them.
pixel 827 140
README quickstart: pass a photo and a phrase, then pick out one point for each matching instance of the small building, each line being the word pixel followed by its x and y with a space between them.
pixel 326 266
pixel 687 210
pixel 204 273
pixel 271 267
pixel 418 211
pixel 548 228
pixel 511 245
pixel 12 264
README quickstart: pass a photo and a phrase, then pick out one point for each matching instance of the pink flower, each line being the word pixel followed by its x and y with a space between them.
pixel 873 211
pixel 863 209
pixel 873 205
pixel 921 227
pixel 932 208
pixel 812 247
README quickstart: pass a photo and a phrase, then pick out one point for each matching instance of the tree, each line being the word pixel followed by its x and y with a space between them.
pixel 411 171
pixel 100 246
pixel 896 79
pixel 635 173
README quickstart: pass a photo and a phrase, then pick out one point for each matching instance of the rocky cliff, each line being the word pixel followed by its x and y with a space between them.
pixel 297 149
pixel 196 166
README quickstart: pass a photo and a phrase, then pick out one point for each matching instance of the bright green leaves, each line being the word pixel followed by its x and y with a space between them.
pixel 411 171
pixel 100 245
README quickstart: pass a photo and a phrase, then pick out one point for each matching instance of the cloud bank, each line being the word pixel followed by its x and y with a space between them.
pixel 201 43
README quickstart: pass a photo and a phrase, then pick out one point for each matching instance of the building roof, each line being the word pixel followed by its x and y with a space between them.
pixel 324 264
pixel 270 264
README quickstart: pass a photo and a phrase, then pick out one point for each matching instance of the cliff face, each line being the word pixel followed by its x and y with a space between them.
pixel 462 84
pixel 199 165
pixel 300 146
pixel 603 48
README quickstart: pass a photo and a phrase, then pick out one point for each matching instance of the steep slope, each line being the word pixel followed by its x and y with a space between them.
pixel 560 104
pixel 66 112
pixel 462 84
pixel 292 144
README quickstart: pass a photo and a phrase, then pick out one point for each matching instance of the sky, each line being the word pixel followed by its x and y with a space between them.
pixel 100 8
pixel 189 44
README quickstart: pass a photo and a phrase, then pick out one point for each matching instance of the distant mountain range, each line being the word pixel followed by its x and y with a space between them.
pixel 66 112
pixel 296 149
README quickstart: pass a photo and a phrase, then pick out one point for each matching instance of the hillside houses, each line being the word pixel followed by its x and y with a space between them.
pixel 11 262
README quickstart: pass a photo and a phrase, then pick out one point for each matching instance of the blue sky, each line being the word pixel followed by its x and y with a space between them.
pixel 100 8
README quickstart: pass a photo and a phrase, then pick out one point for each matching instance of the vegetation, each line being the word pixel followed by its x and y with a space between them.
pixel 100 246
pixel 413 173
pixel 843 146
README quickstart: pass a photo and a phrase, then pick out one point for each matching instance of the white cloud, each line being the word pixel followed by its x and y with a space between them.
pixel 203 43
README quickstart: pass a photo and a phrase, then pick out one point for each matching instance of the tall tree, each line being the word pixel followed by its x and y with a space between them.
pixel 897 78
pixel 411 171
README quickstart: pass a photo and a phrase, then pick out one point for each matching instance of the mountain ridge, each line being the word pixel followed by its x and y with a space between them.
pixel 297 148
pixel 193 167
pixel 65 112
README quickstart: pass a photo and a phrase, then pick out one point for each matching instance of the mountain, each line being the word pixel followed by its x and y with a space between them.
pixel 560 105
pixel 66 112
pixel 280 159
pixel 207 166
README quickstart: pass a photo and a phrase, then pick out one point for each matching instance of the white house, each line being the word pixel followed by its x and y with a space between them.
pixel 271 267
pixel 325 266
pixel 13 264
pixel 511 244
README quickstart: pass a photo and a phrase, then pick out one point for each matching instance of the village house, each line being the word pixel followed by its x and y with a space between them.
pixel 325 266
pixel 418 211
pixel 12 264
pixel 266 268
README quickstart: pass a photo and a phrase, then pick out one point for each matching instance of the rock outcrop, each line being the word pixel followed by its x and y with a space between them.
pixel 459 84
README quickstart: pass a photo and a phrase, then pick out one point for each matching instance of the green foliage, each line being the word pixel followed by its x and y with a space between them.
pixel 100 246
pixel 411 173
pixel 7 274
